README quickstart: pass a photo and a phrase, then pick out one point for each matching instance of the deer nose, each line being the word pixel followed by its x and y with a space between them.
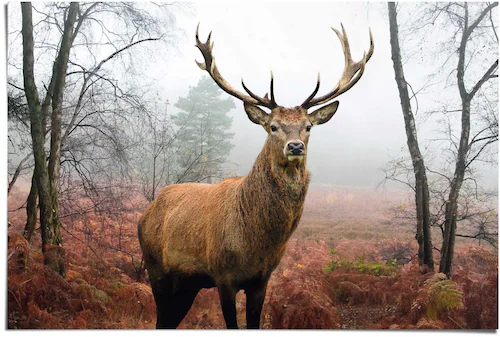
pixel 295 148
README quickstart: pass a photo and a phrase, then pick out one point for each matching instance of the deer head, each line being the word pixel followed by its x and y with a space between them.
pixel 289 128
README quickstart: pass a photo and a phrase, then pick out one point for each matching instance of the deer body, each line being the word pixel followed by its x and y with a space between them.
pixel 232 235
pixel 234 230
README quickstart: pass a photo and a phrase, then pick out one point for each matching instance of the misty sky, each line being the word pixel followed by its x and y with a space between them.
pixel 295 41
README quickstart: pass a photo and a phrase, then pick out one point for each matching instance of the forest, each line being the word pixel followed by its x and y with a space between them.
pixel 106 107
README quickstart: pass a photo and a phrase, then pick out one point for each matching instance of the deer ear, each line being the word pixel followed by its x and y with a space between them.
pixel 323 115
pixel 256 114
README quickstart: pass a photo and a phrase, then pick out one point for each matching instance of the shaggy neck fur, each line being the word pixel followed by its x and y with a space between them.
pixel 271 197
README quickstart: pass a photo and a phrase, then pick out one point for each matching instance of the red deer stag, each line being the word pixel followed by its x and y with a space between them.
pixel 232 235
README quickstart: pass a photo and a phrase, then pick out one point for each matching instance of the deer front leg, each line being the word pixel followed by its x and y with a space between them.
pixel 227 295
pixel 256 292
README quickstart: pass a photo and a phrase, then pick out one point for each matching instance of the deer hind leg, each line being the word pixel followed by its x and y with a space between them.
pixel 174 297
pixel 227 295
pixel 255 292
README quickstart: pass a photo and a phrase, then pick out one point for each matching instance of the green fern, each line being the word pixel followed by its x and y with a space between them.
pixel 331 267
pixel 440 294
pixel 375 268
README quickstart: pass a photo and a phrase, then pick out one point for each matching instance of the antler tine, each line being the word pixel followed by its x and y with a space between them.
pixel 350 83
pixel 272 89
pixel 210 66
pixel 254 96
pixel 272 102
pixel 311 96
pixel 348 78
pixel 203 66
pixel 372 45
pixel 344 41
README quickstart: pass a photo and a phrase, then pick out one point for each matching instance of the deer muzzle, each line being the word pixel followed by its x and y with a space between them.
pixel 295 150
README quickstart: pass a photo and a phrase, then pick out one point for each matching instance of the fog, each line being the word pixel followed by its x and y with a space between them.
pixel 295 41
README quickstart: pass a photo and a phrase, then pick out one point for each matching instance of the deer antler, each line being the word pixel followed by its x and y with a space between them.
pixel 347 80
pixel 211 68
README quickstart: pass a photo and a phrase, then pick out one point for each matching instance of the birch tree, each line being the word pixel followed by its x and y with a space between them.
pixel 420 187
pixel 47 191
pixel 82 99
pixel 465 61
pixel 468 23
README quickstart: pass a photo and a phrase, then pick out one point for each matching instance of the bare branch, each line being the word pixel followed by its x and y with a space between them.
pixel 92 73
pixel 18 171
pixel 493 26
pixel 487 75
pixel 470 29
pixel 491 141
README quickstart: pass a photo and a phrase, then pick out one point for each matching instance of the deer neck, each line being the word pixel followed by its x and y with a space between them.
pixel 272 194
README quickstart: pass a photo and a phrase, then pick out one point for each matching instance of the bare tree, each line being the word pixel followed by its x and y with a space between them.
pixel 467 24
pixel 420 186
pixel 160 154
pixel 81 95
pixel 20 159
pixel 477 217
pixel 48 202
pixel 465 140
pixel 155 138
pixel 19 127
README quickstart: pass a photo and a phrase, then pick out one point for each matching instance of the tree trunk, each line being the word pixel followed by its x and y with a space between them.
pixel 31 210
pixel 54 230
pixel 47 178
pixel 37 123
pixel 450 225
pixel 421 187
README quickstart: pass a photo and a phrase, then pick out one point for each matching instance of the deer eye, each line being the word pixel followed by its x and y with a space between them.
pixel 274 128
pixel 308 128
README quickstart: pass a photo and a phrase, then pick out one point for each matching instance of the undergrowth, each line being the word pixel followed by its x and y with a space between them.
pixel 438 295
pixel 375 268
pixel 360 284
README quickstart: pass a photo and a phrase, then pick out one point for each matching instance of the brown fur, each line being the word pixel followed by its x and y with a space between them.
pixel 235 231
pixel 233 234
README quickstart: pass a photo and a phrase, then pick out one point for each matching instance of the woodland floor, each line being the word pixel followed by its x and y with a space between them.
pixel 349 265
pixel 359 318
